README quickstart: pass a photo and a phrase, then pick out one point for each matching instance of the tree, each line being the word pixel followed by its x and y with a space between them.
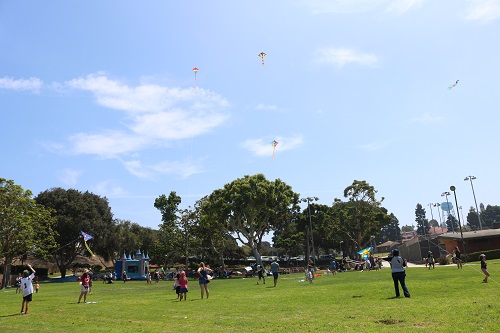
pixel 390 232
pixel 25 227
pixel 473 219
pixel 77 211
pixel 407 228
pixel 252 206
pixel 452 223
pixel 490 216
pixel 361 217
pixel 170 237
pixel 422 222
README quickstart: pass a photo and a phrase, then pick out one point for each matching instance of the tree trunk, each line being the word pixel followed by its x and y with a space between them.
pixel 6 272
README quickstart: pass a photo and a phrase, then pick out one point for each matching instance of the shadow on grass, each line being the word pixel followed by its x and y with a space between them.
pixel 12 315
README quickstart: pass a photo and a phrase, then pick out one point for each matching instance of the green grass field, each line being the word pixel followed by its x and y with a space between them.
pixel 442 300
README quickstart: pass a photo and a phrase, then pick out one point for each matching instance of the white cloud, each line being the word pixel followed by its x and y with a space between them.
pixel 400 7
pixel 181 168
pixel 109 190
pixel 373 146
pixel 486 10
pixel 69 177
pixel 426 118
pixel 263 147
pixel 341 56
pixel 31 84
pixel 154 115
pixel 267 107
pixel 397 7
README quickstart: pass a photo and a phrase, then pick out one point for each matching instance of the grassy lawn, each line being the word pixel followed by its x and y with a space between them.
pixel 442 300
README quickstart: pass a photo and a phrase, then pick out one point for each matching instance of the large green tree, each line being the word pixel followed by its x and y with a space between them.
pixel 390 232
pixel 77 211
pixel 361 217
pixel 25 227
pixel 253 206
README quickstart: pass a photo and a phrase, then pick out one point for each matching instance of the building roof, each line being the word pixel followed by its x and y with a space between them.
pixel 388 243
pixel 488 233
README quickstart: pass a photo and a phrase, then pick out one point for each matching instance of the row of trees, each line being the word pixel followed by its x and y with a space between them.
pixel 231 222
pixel 490 218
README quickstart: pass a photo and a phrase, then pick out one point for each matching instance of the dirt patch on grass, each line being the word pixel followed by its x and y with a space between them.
pixel 390 321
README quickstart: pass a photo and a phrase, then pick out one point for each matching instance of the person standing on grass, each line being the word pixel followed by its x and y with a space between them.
pixel 124 276
pixel 18 283
pixel 430 258
pixel 275 268
pixel 484 268
pixel 203 278
pixel 398 272
pixel 261 274
pixel 183 283
pixel 458 257
pixel 27 288
pixel 85 282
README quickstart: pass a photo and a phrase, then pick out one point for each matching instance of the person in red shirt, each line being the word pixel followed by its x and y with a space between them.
pixel 85 282
pixel 183 282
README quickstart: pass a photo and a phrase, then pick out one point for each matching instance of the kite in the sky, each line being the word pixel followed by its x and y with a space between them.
pixel 87 237
pixel 453 85
pixel 274 143
pixel 262 55
pixel 195 70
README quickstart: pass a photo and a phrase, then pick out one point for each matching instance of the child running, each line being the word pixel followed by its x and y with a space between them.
pixel 183 282
pixel 484 266
pixel 27 288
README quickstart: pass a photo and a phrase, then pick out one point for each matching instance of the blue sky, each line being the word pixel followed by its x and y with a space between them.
pixel 101 96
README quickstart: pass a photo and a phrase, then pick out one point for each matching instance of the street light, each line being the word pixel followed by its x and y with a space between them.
pixel 437 204
pixel 452 188
pixel 446 194
pixel 474 194
pixel 308 200
pixel 432 216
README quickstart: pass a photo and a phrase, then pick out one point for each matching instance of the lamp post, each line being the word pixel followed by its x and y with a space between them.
pixel 474 194
pixel 446 194
pixel 437 204
pixel 452 188
pixel 308 200
pixel 432 216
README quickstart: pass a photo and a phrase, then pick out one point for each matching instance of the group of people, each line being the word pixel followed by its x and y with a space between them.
pixel 181 282
pixel 275 269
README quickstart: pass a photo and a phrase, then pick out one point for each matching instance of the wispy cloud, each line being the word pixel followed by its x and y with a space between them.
pixel 109 189
pixel 153 114
pixel 181 168
pixel 374 146
pixel 31 84
pixel 267 107
pixel 69 177
pixel 397 7
pixel 485 11
pixel 427 118
pixel 340 57
pixel 263 147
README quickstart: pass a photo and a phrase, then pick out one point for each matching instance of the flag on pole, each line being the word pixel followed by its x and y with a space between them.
pixel 87 237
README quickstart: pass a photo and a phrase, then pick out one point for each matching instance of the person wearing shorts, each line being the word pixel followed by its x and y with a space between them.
pixel 85 282
pixel 261 274
pixel 484 268
pixel 27 288
pixel 275 267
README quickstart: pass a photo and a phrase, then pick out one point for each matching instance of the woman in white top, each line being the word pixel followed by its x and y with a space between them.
pixel 398 272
